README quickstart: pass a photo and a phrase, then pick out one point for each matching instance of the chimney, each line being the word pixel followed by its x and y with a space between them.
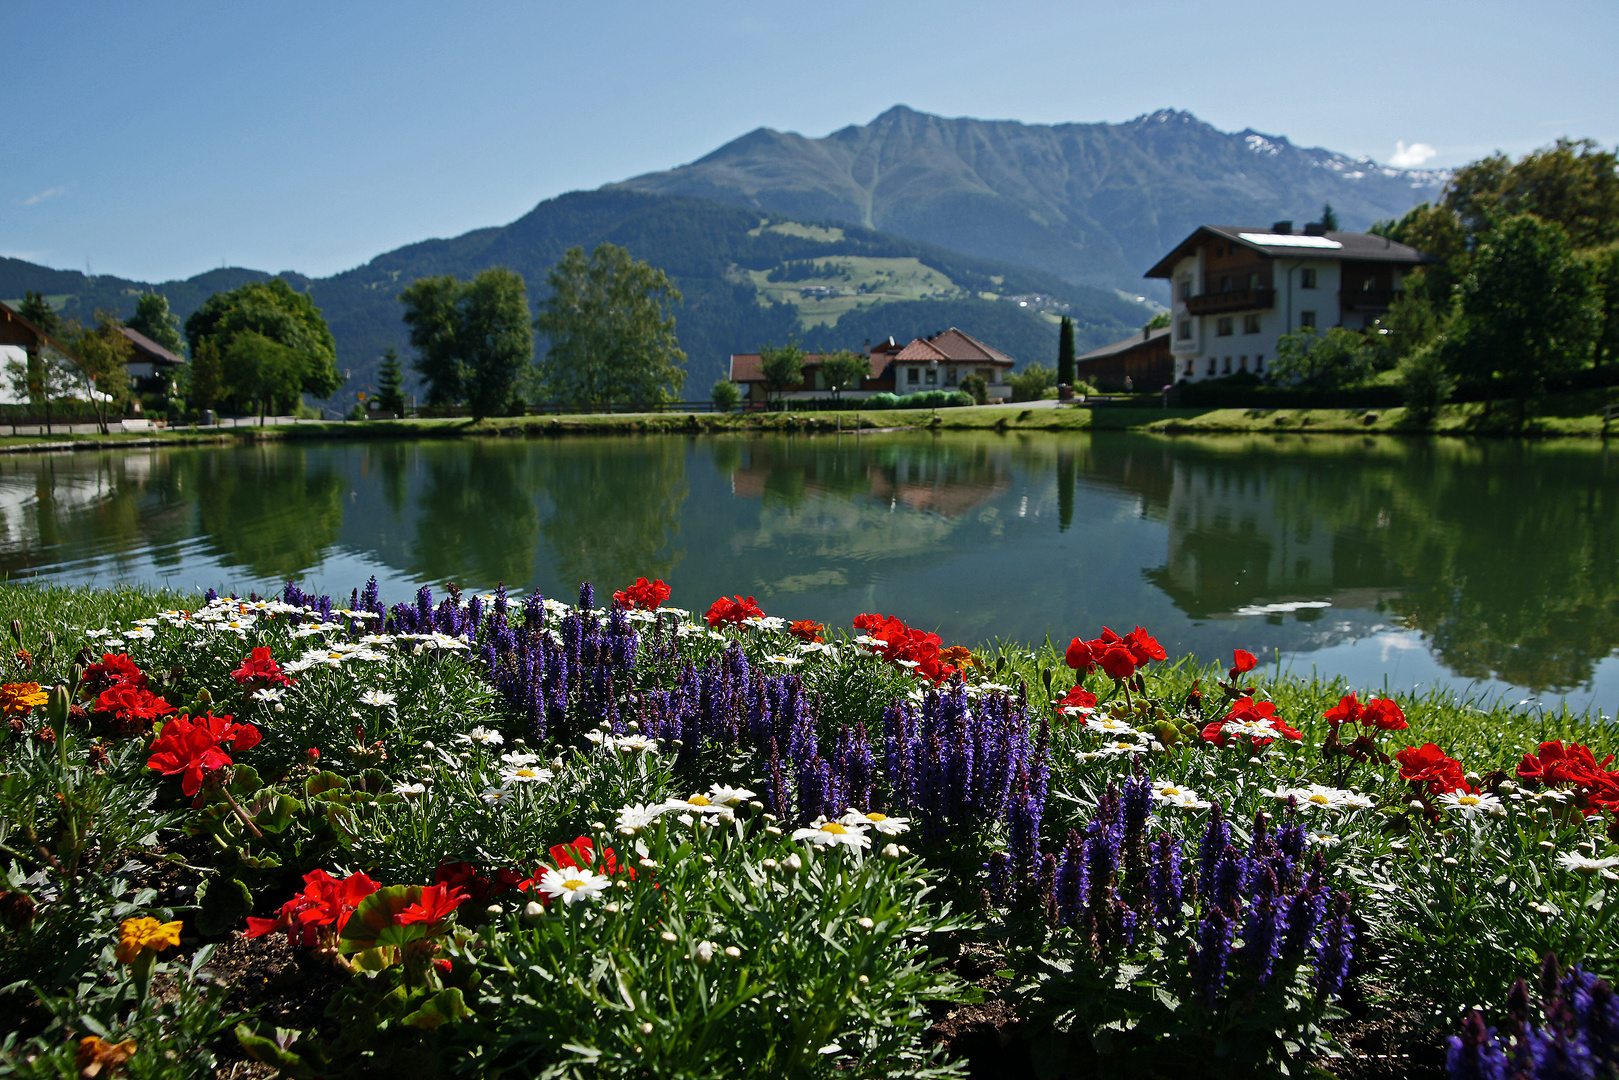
pixel 1315 228
pixel 1282 228
pixel 1146 332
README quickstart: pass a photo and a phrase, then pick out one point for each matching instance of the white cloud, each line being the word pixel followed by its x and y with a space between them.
pixel 48 193
pixel 1411 157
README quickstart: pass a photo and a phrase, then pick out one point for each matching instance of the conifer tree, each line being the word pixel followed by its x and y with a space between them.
pixel 1065 352
pixel 391 387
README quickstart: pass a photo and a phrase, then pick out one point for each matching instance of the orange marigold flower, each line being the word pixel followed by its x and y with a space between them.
pixel 145 934
pixel 959 655
pixel 20 698
pixel 95 1054
pixel 806 630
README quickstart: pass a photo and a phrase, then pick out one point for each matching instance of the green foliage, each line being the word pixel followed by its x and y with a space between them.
pixel 1573 184
pixel 843 370
pixel 1437 231
pixel 472 338
pixel 1329 218
pixel 1412 321
pixel 101 354
pixel 1157 322
pixel 976 387
pixel 1327 359
pixel 612 336
pixel 783 368
pixel 1032 382
pixel 276 311
pixel 922 399
pixel 1604 270
pixel 1065 352
pixel 725 395
pixel 1426 382
pixel 260 371
pixel 390 384
pixel 1526 312
pixel 154 319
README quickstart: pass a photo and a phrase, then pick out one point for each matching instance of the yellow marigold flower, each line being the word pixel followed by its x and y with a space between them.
pixel 958 655
pixel 19 698
pixel 145 934
pixel 95 1054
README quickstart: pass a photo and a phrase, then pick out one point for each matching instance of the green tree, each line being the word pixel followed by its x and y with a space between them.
pixel 1411 322
pixel 781 367
pixel 154 319
pixel 1573 183
pixel 277 311
pixel 976 387
pixel 1032 382
pixel 611 333
pixel 1065 352
pixel 103 353
pixel 725 395
pixel 391 388
pixel 1157 322
pixel 1527 314
pixel 37 310
pixel 843 370
pixel 1425 381
pixel 1604 270
pixel 259 370
pixel 1436 231
pixel 472 338
pixel 205 380
pixel 1329 218
pixel 39 377
pixel 1332 358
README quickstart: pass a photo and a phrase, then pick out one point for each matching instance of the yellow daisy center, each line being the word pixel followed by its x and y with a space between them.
pixel 876 817
pixel 1468 800
pixel 834 828
pixel 1319 800
pixel 700 800
pixel 1171 791
pixel 572 884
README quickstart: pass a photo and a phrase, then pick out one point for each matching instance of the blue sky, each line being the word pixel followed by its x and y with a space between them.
pixel 162 140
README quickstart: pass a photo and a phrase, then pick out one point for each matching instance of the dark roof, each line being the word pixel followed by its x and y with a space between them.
pixel 961 346
pixel 149 350
pixel 1134 341
pixel 10 314
pixel 1361 247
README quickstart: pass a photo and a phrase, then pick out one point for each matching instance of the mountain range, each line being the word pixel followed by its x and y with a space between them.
pixel 900 227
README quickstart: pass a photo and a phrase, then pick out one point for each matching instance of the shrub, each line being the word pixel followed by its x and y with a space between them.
pixel 725 395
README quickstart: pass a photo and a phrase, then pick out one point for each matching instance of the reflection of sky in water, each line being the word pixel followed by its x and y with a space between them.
pixel 1319 557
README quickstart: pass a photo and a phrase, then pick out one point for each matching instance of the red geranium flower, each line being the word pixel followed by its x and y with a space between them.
pixel 643 595
pixel 733 610
pixel 1347 711
pixel 113 670
pixel 1118 661
pixel 193 747
pixel 1079 700
pixel 1432 767
pixel 1575 765
pixel 1384 714
pixel 438 903
pixel 1242 661
pixel 259 666
pixel 906 646
pixel 130 702
pixel 1144 647
pixel 325 902
pixel 1080 657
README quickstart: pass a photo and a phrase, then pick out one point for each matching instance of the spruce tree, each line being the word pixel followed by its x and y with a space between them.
pixel 391 391
pixel 1065 352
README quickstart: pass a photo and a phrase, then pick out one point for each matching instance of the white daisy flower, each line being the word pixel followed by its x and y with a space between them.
pixel 409 789
pixel 573 885
pixel 1320 797
pixel 1109 726
pixel 1323 839
pixel 729 796
pixel 377 639
pixel 1470 805
pixel 140 633
pixel 784 660
pixel 377 698
pixel 698 803
pixel 888 826
pixel 636 743
pixel 1116 749
pixel 1256 729
pixel 499 796
pixel 517 758
pixel 594 736
pixel 1584 864
pixel 269 695
pixel 634 818
pixel 482 736
pixel 832 833
pixel 526 774
pixel 293 667
pixel 1185 799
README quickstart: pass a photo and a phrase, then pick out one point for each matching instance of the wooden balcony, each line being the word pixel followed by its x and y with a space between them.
pixel 1237 300
pixel 1368 299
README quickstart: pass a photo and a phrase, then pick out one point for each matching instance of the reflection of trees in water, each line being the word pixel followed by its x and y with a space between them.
pixel 615 508
pixel 269 508
pixel 1503 554
pixel 476 514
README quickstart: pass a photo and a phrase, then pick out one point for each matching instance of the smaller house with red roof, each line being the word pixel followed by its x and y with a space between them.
pixel 940 362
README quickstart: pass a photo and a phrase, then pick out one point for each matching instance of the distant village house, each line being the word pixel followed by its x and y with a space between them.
pixel 940 362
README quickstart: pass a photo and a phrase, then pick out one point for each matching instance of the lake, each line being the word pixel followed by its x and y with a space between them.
pixel 1491 567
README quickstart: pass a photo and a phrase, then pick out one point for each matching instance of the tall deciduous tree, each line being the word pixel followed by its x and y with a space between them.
pixel 1604 265
pixel 611 333
pixel 1527 312
pixel 205 385
pixel 154 319
pixel 103 354
pixel 472 338
pixel 781 367
pixel 843 370
pixel 1065 352
pixel 391 384
pixel 276 311
pixel 1573 183
pixel 262 371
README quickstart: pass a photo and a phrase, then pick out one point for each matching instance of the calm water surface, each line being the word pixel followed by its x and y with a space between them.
pixel 1492 566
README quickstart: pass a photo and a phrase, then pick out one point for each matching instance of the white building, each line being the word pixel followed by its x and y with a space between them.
pixel 1236 290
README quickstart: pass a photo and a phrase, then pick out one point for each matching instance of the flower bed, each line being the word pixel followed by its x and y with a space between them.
pixel 510 836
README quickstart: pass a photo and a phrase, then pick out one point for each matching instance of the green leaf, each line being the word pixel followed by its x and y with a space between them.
pixel 444 1007
pixel 324 781
pixel 224 903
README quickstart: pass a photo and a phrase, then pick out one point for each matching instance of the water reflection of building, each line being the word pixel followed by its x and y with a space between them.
pixel 1235 549
pixel 948 485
